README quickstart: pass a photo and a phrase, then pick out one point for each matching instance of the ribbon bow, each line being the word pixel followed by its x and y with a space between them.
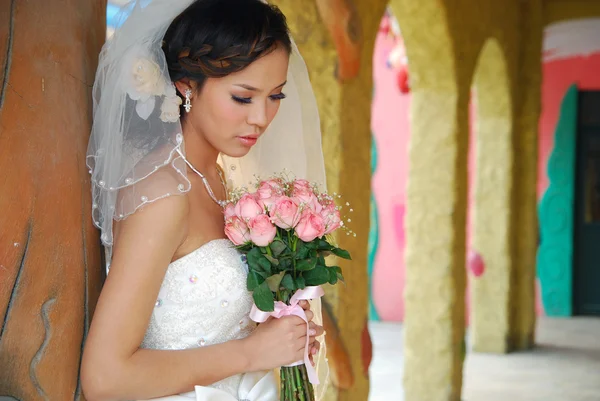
pixel 281 310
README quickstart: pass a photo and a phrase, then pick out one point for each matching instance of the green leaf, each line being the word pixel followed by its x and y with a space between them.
pixel 253 280
pixel 262 274
pixel 317 276
pixel 341 253
pixel 300 283
pixel 257 261
pixel 332 276
pixel 272 260
pixel 312 245
pixel 301 251
pixel 274 281
pixel 323 245
pixel 244 248
pixel 306 264
pixel 322 260
pixel 338 273
pixel 254 255
pixel 263 298
pixel 286 264
pixel 288 282
pixel 264 264
pixel 284 296
pixel 277 247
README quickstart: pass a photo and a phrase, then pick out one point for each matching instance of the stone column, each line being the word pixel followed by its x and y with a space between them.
pixel 493 234
pixel 434 324
pixel 526 159
pixel 50 263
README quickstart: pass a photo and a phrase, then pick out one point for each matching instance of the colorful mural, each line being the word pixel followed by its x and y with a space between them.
pixel 556 214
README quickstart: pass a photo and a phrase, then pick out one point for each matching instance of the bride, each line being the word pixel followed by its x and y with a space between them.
pixel 192 98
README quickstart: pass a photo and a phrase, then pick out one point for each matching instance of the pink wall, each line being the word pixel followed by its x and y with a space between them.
pixel 558 77
pixel 390 126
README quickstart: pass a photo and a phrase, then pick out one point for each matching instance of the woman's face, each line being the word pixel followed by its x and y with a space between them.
pixel 232 112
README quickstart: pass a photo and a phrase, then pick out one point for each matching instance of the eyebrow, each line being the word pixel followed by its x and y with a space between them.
pixel 253 89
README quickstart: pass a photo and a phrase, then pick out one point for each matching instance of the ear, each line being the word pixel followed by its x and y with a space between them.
pixel 183 85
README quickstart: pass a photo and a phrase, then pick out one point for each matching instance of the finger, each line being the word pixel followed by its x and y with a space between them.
pixel 312 329
pixel 304 304
pixel 301 332
pixel 309 315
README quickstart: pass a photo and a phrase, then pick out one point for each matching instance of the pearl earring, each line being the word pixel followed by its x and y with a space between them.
pixel 188 103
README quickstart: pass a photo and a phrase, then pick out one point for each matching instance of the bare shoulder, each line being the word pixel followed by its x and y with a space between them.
pixel 142 252
pixel 160 225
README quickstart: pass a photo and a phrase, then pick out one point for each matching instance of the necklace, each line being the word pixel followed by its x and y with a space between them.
pixel 221 203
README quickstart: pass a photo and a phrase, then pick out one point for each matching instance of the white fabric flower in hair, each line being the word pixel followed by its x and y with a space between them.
pixel 169 111
pixel 147 80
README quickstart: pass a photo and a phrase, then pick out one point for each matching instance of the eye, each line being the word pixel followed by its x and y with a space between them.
pixel 242 100
pixel 278 96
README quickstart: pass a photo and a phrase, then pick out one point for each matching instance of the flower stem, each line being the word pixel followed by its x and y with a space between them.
pixel 307 384
pixel 295 385
pixel 301 384
pixel 294 382
pixel 290 385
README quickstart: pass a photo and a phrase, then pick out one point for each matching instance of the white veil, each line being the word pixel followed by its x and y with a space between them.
pixel 135 148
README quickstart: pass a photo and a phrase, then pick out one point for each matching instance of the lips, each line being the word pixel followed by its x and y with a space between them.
pixel 249 140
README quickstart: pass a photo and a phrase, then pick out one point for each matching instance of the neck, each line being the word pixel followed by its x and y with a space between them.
pixel 201 154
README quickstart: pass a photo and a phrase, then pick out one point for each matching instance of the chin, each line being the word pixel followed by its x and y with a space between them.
pixel 236 152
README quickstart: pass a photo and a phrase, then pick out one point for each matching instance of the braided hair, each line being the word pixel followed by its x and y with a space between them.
pixel 215 38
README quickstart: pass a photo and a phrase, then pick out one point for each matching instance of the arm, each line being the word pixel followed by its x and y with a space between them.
pixel 113 367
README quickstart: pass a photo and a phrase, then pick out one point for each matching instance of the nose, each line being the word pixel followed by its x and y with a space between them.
pixel 258 115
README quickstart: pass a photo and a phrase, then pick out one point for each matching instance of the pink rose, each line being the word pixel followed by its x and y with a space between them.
pixel 237 231
pixel 275 184
pixel 229 211
pixel 303 193
pixel 310 226
pixel 285 213
pixel 247 207
pixel 302 185
pixel 331 218
pixel 308 200
pixel 262 231
pixel 268 193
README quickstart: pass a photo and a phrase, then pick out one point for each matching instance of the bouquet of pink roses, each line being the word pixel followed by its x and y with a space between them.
pixel 283 228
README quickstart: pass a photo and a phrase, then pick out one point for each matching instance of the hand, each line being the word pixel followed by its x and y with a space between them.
pixel 314 331
pixel 276 343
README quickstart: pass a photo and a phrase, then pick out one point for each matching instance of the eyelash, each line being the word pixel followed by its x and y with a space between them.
pixel 248 100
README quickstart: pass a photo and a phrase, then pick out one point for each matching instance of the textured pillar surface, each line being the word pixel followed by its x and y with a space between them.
pixel 50 264
pixel 526 175
pixel 492 233
pixel 434 322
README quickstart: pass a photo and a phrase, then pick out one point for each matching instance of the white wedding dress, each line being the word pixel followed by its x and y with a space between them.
pixel 203 300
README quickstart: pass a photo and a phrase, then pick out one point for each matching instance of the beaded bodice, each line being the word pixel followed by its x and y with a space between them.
pixel 203 300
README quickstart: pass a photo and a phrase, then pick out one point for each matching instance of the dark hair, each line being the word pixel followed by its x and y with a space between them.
pixel 214 38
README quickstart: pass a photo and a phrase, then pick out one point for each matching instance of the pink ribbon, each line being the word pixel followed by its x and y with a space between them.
pixel 281 310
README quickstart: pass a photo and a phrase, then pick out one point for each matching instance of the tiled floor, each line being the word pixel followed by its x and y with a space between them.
pixel 565 365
